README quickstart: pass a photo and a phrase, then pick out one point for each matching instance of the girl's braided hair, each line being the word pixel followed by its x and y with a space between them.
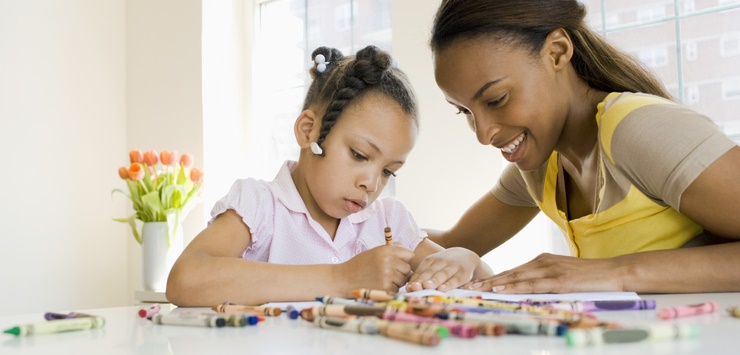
pixel 338 80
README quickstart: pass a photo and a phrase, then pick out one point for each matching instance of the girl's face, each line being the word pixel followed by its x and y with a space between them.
pixel 508 96
pixel 368 144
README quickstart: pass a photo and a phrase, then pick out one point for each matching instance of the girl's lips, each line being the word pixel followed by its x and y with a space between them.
pixel 354 206
pixel 518 152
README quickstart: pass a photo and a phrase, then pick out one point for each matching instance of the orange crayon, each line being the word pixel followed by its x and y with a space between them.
pixel 228 307
pixel 373 295
pixel 426 337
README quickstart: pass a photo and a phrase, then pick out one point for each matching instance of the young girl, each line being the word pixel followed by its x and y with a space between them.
pixel 317 229
pixel 643 188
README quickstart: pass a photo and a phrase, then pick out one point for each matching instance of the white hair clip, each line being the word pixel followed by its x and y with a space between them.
pixel 321 62
pixel 316 149
pixel 394 63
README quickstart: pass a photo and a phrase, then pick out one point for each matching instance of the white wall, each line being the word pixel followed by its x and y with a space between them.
pixel 164 93
pixel 62 138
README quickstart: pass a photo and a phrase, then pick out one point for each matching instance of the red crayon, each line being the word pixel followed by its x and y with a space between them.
pixel 688 310
pixel 149 312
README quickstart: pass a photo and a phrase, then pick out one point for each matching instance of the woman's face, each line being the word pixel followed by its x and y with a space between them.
pixel 508 95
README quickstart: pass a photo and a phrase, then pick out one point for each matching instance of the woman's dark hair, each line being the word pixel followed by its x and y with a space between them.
pixel 344 79
pixel 529 22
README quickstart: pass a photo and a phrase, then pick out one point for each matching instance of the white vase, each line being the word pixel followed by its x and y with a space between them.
pixel 157 258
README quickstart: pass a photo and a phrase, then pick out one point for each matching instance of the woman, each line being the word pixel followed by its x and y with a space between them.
pixel 645 190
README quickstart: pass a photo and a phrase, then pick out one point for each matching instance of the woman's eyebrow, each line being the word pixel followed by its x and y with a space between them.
pixel 485 87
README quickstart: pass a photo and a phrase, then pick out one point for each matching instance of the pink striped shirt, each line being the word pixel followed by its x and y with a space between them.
pixel 283 231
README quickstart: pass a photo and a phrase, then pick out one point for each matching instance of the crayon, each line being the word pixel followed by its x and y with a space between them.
pixel 228 307
pixel 403 332
pixel 688 310
pixel 149 311
pixel 57 326
pixel 598 336
pixel 514 325
pixel 734 311
pixel 388 236
pixel 455 328
pixel 338 300
pixel 373 295
pixel 596 306
pixel 52 315
pixel 353 325
pixel 341 310
pixel 189 319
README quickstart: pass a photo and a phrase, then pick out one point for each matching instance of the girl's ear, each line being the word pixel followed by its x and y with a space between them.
pixel 559 48
pixel 306 128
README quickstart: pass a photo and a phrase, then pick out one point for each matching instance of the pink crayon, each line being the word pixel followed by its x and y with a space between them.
pixel 149 312
pixel 688 310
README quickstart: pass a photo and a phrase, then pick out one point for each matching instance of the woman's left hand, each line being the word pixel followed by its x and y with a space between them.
pixel 548 273
pixel 444 270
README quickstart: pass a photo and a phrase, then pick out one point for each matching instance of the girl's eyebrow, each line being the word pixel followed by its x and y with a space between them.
pixel 375 148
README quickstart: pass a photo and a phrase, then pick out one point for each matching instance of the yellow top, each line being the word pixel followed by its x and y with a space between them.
pixel 642 179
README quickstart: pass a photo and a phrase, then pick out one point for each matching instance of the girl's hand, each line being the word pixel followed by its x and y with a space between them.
pixel 444 270
pixel 384 267
pixel 548 273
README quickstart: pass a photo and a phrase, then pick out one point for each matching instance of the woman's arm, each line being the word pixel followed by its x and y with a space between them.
pixel 487 224
pixel 211 271
pixel 712 200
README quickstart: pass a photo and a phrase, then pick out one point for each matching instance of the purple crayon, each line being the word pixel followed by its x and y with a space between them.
pixel 53 316
pixel 597 306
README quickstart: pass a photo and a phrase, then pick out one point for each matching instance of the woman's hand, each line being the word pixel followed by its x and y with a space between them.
pixel 446 270
pixel 548 273
pixel 385 267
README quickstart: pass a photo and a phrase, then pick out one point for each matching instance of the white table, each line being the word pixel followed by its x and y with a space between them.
pixel 126 333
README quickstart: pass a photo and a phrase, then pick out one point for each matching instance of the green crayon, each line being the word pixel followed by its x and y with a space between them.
pixel 598 336
pixel 57 326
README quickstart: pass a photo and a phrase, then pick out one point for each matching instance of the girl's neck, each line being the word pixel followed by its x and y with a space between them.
pixel 329 223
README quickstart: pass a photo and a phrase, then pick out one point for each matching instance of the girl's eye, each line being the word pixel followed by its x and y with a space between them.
pixel 497 102
pixel 464 111
pixel 387 172
pixel 357 155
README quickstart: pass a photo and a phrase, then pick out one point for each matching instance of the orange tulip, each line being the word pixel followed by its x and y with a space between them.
pixel 196 175
pixel 123 172
pixel 186 160
pixel 136 156
pixel 167 157
pixel 136 172
pixel 150 158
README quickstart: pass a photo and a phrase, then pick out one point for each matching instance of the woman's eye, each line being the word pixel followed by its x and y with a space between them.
pixel 497 102
pixel 387 172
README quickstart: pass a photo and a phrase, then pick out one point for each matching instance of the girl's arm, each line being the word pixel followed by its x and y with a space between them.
pixel 211 271
pixel 712 200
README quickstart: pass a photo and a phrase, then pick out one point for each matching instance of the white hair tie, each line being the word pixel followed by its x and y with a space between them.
pixel 321 62
pixel 394 63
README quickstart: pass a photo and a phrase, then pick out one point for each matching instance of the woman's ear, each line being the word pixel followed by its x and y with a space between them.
pixel 559 48
pixel 306 128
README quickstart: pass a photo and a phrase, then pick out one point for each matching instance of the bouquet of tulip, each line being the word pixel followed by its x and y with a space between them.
pixel 162 188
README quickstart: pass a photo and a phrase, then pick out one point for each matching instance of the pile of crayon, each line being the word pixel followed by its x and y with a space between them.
pixel 426 320
pixel 227 314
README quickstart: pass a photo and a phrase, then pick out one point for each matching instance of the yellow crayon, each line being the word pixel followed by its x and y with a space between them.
pixel 734 311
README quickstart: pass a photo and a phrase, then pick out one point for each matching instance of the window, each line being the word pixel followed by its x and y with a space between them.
pixel 668 36
pixel 286 34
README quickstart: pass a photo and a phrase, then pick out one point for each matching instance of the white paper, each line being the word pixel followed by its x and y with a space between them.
pixel 577 296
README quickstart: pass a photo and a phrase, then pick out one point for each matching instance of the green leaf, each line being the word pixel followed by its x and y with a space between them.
pixel 181 177
pixel 131 220
pixel 153 205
